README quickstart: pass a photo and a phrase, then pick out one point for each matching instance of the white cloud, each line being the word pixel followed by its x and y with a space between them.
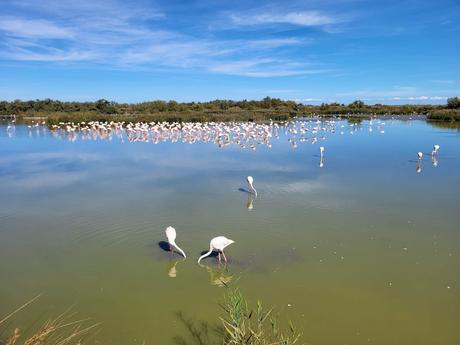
pixel 421 98
pixel 117 35
pixel 442 81
pixel 263 68
pixel 33 28
pixel 301 18
pixel 303 100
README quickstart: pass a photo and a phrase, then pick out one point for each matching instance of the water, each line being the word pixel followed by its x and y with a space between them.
pixel 364 250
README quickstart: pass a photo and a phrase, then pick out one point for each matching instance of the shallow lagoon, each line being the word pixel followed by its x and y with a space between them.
pixel 365 250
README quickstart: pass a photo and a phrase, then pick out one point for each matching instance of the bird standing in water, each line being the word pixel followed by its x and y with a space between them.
pixel 218 244
pixel 251 186
pixel 171 236
pixel 420 155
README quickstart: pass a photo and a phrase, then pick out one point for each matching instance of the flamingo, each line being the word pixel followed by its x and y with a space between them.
pixel 435 150
pixel 218 243
pixel 250 185
pixel 171 236
pixel 420 155
pixel 321 151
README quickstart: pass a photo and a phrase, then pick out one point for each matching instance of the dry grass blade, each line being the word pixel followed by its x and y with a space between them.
pixel 58 331
pixel 14 338
pixel 19 309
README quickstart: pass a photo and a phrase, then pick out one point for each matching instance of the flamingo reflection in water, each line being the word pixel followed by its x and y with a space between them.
pixel 218 277
pixel 171 268
pixel 250 202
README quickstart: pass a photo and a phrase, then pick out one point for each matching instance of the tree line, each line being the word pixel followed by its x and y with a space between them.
pixel 226 109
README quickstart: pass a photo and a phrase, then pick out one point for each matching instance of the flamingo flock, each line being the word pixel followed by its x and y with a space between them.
pixel 246 135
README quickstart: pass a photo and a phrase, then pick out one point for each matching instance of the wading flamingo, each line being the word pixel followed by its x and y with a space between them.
pixel 218 244
pixel 171 236
pixel 250 185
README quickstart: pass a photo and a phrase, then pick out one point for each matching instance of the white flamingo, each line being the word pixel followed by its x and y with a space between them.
pixel 420 155
pixel 250 185
pixel 171 236
pixel 218 244
pixel 435 150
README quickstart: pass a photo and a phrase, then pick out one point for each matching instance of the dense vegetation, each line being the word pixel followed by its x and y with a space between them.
pixel 217 110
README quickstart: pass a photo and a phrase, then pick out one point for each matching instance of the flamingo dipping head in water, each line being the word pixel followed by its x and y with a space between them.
pixel 218 244
pixel 171 236
pixel 250 185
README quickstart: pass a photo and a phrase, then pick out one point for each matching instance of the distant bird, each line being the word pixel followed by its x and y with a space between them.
pixel 435 150
pixel 218 244
pixel 420 155
pixel 321 150
pixel 171 236
pixel 250 185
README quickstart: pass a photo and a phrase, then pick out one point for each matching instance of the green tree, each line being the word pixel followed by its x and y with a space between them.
pixel 453 103
pixel 357 104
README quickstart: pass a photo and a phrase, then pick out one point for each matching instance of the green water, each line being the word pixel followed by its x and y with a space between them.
pixel 364 250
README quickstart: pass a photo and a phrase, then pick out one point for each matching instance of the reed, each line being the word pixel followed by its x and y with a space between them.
pixel 246 325
pixel 58 331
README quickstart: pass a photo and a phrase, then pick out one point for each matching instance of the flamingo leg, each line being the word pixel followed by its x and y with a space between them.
pixel 225 258
pixel 219 256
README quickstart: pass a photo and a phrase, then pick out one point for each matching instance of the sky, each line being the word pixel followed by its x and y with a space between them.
pixel 315 51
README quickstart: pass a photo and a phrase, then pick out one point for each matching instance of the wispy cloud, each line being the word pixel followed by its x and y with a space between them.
pixel 123 37
pixel 395 94
pixel 443 81
pixel 263 68
pixel 395 91
pixel 33 28
pixel 301 18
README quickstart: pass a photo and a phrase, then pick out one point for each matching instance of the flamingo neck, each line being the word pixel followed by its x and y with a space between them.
pixel 205 255
pixel 173 243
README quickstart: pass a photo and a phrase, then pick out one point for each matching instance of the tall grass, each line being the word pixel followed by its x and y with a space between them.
pixel 246 325
pixel 452 115
pixel 57 331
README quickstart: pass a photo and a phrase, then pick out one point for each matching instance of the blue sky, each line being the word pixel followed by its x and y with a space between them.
pixel 309 51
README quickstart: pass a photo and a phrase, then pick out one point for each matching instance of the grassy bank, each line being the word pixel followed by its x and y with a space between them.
pixel 447 115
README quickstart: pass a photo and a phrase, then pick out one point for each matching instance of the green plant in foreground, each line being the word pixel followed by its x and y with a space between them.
pixel 246 326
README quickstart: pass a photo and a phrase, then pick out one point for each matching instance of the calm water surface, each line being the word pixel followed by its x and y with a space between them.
pixel 365 250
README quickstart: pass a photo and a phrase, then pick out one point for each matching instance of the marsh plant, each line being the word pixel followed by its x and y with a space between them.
pixel 57 331
pixel 246 325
